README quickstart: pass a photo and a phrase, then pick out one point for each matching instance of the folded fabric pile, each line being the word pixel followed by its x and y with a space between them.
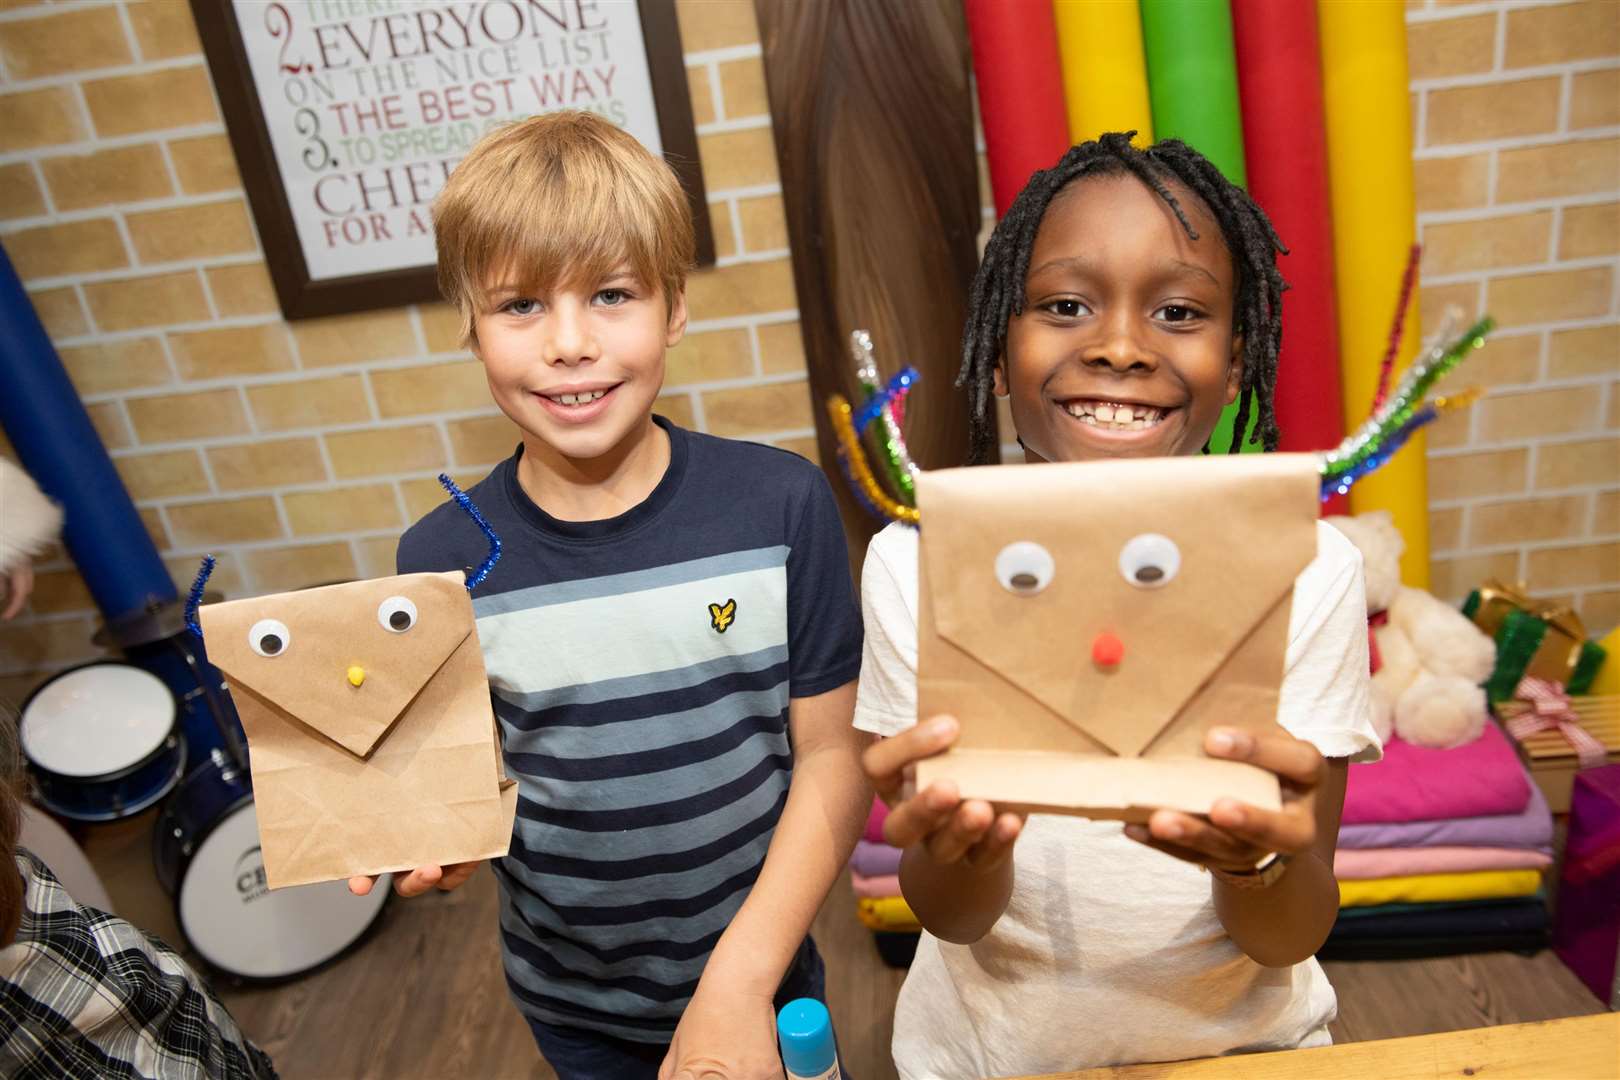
pixel 1441 852
pixel 874 872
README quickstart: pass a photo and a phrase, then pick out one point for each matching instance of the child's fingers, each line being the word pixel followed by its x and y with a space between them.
pixel 1295 760
pixel 885 760
pixel 997 844
pixel 456 875
pixel 965 828
pixel 1291 829
pixel 361 886
pixel 912 820
pixel 418 881
pixel 1208 842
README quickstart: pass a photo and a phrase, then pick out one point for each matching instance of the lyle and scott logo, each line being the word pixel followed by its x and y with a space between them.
pixel 722 615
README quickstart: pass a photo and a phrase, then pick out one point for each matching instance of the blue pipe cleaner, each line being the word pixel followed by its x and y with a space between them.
pixel 874 405
pixel 476 578
pixel 1340 485
pixel 194 598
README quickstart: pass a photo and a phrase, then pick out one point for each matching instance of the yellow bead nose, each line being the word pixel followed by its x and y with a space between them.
pixel 357 675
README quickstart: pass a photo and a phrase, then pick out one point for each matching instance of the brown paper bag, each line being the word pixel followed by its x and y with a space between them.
pixel 1045 727
pixel 400 771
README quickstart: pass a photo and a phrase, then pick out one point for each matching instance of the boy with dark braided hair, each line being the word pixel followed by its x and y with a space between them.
pixel 1124 301
pixel 998 291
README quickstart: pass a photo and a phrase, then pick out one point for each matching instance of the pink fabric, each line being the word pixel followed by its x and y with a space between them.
pixel 1413 783
pixel 874 822
pixel 1404 862
pixel 875 887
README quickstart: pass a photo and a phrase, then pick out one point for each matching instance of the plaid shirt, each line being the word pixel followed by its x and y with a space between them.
pixel 84 993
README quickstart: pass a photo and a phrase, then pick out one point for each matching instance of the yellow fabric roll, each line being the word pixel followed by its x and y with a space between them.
pixel 886 913
pixel 1369 137
pixel 1104 71
pixel 1440 888
pixel 1608 676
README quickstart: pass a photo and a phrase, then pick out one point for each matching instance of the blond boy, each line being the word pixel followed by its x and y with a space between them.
pixel 671 634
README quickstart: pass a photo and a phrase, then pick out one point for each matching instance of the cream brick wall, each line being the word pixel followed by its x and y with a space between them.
pixel 1516 124
pixel 298 451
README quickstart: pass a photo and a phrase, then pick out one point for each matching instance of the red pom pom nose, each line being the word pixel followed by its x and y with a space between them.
pixel 1107 650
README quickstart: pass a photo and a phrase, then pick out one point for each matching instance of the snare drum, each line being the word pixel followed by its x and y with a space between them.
pixel 207 854
pixel 102 741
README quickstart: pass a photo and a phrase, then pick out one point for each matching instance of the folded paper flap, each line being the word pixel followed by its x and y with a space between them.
pixel 1243 527
pixel 339 635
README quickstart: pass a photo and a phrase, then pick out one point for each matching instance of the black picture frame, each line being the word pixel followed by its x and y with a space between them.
pixel 303 298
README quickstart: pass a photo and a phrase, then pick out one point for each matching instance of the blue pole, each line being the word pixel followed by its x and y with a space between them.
pixel 59 447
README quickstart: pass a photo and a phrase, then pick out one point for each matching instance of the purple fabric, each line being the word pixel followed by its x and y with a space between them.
pixel 875 860
pixel 1587 933
pixel 1531 829
pixel 1413 783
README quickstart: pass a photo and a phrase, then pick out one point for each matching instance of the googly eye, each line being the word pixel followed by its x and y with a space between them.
pixel 396 614
pixel 1024 568
pixel 1149 561
pixel 269 638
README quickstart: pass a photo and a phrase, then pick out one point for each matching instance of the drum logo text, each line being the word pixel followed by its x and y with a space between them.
pixel 251 883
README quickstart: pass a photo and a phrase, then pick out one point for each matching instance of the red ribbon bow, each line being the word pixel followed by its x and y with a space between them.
pixel 1550 711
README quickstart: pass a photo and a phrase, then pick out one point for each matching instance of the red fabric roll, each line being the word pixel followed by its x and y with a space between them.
pixel 1285 143
pixel 1015 60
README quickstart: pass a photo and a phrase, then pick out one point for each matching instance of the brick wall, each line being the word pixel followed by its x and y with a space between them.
pixel 299 451
pixel 1516 122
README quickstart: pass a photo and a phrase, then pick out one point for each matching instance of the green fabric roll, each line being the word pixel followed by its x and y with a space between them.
pixel 1192 79
pixel 1192 83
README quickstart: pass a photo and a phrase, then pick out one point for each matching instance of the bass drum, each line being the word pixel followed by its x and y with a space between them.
pixel 207 854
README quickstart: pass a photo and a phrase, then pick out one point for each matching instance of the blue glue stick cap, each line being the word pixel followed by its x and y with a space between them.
pixel 806 1034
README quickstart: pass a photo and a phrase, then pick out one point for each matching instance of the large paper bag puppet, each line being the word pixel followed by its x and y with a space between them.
pixel 1088 623
pixel 370 729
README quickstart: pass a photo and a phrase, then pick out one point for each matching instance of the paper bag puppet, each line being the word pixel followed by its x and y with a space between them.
pixel 1088 623
pixel 370 731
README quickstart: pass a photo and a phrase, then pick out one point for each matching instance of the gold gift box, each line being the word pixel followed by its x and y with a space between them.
pixel 1560 650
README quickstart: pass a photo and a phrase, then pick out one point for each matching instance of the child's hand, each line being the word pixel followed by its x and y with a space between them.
pixel 950 829
pixel 724 1034
pixel 1237 836
pixel 420 880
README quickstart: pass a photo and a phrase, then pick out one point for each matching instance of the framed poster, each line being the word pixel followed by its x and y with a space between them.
pixel 346 117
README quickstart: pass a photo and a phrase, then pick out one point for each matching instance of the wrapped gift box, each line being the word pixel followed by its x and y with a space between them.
pixel 1533 637
pixel 1586 934
pixel 1550 757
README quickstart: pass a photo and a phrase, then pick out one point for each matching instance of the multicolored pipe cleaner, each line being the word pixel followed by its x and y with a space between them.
pixel 849 444
pixel 1395 420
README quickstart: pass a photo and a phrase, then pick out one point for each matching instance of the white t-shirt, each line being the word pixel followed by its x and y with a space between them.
pixel 1110 952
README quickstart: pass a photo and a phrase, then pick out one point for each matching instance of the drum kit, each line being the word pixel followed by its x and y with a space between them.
pixel 110 739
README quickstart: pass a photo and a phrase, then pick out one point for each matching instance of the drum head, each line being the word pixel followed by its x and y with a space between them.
pixel 238 925
pixel 97 720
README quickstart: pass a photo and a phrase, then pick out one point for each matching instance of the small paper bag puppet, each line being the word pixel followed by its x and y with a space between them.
pixel 1088 623
pixel 369 724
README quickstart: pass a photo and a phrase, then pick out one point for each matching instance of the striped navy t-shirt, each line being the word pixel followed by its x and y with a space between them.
pixel 641 669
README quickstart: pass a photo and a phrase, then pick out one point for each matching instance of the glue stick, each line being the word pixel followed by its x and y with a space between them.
pixel 805 1032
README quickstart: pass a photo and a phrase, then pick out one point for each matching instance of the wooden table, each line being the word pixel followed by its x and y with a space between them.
pixel 1578 1048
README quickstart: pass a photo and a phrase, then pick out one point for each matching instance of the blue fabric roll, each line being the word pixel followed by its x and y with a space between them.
pixel 59 447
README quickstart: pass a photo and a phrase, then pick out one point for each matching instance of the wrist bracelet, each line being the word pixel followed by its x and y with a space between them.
pixel 1263 876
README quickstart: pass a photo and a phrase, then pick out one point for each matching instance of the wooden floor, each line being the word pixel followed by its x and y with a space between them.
pixel 423 997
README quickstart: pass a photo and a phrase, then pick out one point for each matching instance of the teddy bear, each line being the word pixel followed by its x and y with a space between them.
pixel 1428 659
